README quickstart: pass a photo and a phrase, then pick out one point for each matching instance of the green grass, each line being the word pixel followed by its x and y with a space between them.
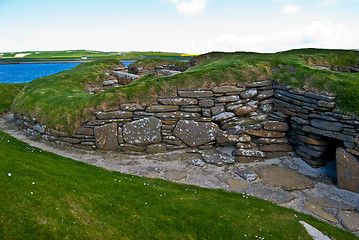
pixel 8 92
pixel 51 197
pixel 61 102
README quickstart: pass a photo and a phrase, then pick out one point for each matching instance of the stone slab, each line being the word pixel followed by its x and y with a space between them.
pixel 350 220
pixel 269 194
pixel 143 132
pixel 106 136
pixel 317 210
pixel 237 184
pixel 347 170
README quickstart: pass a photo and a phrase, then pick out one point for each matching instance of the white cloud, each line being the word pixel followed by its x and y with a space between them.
pixel 326 2
pixel 291 9
pixel 190 7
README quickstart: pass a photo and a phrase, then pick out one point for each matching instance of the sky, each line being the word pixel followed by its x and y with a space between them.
pixel 184 26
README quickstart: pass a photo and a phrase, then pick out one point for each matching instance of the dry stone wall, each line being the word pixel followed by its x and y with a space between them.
pixel 261 119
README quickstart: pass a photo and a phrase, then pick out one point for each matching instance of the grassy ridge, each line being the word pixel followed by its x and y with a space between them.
pixel 8 92
pixel 61 101
pixel 45 196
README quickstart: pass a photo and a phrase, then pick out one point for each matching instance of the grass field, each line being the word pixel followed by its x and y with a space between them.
pixel 7 94
pixel 45 196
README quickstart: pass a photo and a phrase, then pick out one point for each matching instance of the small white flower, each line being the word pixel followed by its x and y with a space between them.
pixel 33 183
pixel 9 174
pixel 31 193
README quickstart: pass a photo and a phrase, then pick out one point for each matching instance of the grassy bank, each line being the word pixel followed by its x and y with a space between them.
pixel 8 92
pixel 45 196
pixel 61 101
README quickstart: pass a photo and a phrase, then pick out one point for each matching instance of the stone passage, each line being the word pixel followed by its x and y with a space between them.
pixel 260 119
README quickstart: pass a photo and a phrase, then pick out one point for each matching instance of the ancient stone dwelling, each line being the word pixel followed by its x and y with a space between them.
pixel 260 120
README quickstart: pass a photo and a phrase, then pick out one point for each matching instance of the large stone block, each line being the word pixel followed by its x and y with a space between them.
pixel 132 107
pixel 276 148
pixel 195 133
pixel 321 132
pixel 327 125
pixel 195 94
pixel 178 101
pixel 242 111
pixel 276 126
pixel 249 93
pixel 227 89
pixel 265 134
pixel 161 108
pixel 114 115
pixel 223 116
pixel 143 132
pixel 347 171
pixel 106 136
pixel 249 153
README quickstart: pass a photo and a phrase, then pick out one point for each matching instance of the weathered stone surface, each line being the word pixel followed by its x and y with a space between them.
pixel 324 104
pixel 265 95
pixel 109 82
pixel 120 135
pixel 352 151
pixel 132 107
pixel 347 170
pixel 284 177
pixel 178 101
pixel 217 110
pixel 327 125
pixel 195 94
pixel 40 128
pixel 266 108
pixel 196 133
pixel 125 78
pixel 131 148
pixel 242 111
pixel 178 115
pixel 242 145
pixel 350 220
pixel 276 126
pixel 190 109
pixel 175 175
pixel 226 99
pixel 249 93
pixel 300 120
pixel 161 108
pixel 143 132
pixel 276 148
pixel 249 153
pixel 227 89
pixel 223 116
pixel 114 115
pixel 356 140
pixel 247 174
pixel 156 148
pixel 265 134
pixel 326 133
pixel 223 138
pixel 69 140
pixel 206 103
pixel 260 84
pixel 85 131
pixel 310 151
pixel 244 159
pixel 312 141
pixel 237 184
pixel 215 157
pixel 106 136
pixel 271 140
pixel 319 211
pixel 269 194
pixel 206 112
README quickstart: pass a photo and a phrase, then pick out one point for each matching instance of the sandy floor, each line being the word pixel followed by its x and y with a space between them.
pixel 187 167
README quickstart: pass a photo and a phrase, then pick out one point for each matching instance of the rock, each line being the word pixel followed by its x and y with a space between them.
pixel 143 132
pixel 266 108
pixel 312 141
pixel 241 145
pixel 177 115
pixel 196 133
pixel 206 103
pixel 223 138
pixel 190 109
pixel 265 83
pixel 242 111
pixel 350 220
pixel 106 136
pixel 319 211
pixel 276 126
pixel 113 115
pixel 109 82
pixel 125 78
pixel 132 148
pixel 276 148
pixel 270 194
pixel 132 107
pixel 265 134
pixel 247 174
pixel 196 161
pixel 175 175
pixel 310 152
pixel 227 89
pixel 222 116
pixel 249 93
pixel 156 148
pixel 178 101
pixel 244 159
pixel 271 140
pixel 217 110
pixel 161 108
pixel 40 128
pixel 215 157
pixel 195 94
pixel 327 125
pixel 347 170
pixel 249 153
pixel 69 140
pixel 237 184
pixel 265 95
pixel 325 104
pixel 85 131
pixel 226 99
pixel 284 177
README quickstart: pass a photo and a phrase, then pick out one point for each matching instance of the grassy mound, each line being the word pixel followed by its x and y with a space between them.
pixel 45 196
pixel 61 101
pixel 8 92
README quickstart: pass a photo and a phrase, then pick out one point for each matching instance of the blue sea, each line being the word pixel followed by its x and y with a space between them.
pixel 26 72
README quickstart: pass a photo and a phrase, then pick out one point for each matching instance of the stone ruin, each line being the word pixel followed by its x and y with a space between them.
pixel 260 120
